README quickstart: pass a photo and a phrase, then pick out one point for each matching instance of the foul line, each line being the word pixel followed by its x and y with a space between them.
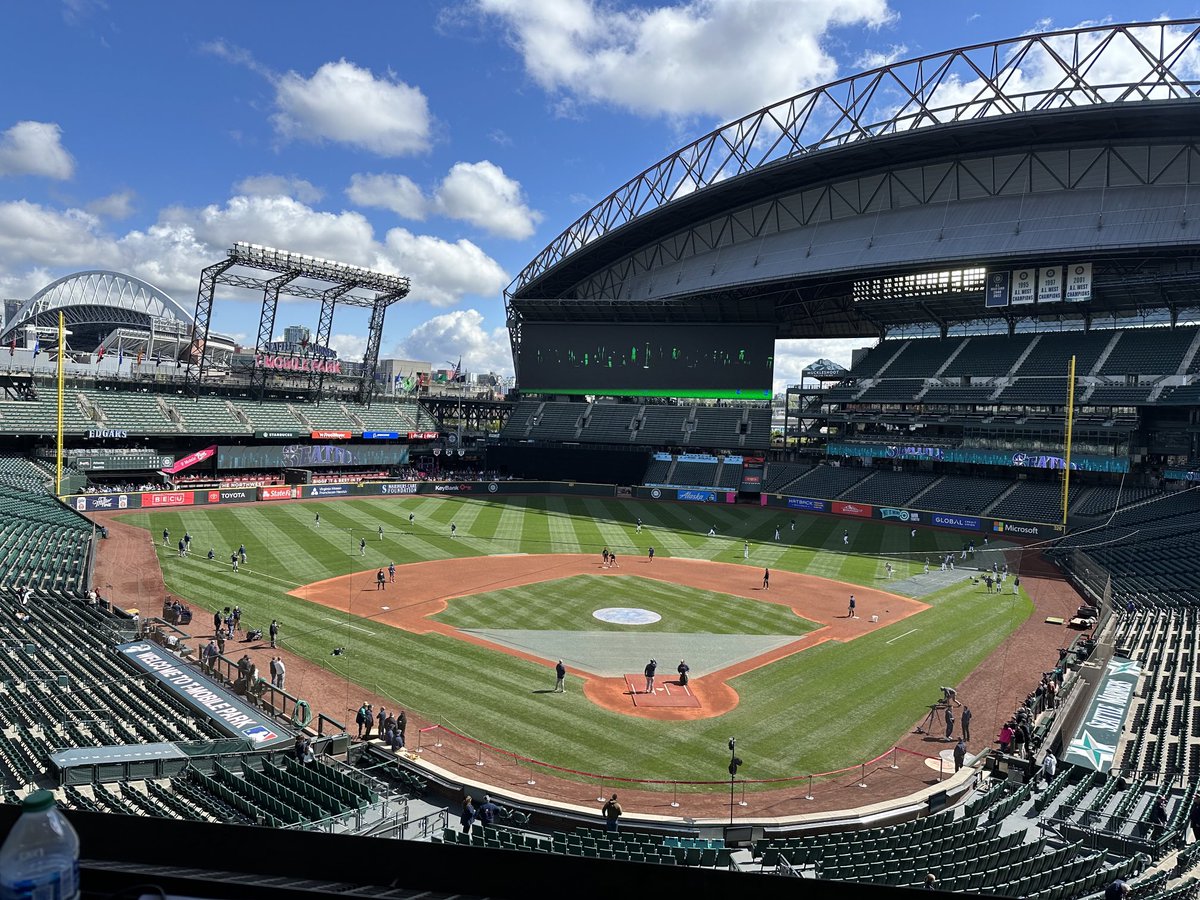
pixel 897 637
pixel 347 624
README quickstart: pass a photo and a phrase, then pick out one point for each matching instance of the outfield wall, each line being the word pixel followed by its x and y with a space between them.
pixel 1012 530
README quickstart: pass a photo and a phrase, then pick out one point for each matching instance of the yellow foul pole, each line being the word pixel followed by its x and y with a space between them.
pixel 1067 440
pixel 62 353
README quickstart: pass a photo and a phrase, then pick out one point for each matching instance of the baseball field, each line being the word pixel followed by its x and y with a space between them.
pixel 468 634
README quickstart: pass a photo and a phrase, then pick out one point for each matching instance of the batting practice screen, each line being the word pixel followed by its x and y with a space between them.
pixel 730 361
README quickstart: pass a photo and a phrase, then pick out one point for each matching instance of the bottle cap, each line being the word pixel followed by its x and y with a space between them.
pixel 38 801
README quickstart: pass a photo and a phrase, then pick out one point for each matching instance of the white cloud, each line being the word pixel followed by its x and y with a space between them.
pixel 171 252
pixel 877 59
pixel 35 235
pixel 35 148
pixel 699 57
pixel 279 186
pixel 442 272
pixel 480 193
pixel 349 346
pixel 344 103
pixel 397 193
pixel 456 334
pixel 117 206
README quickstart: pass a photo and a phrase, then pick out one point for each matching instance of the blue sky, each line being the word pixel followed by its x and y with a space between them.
pixel 448 142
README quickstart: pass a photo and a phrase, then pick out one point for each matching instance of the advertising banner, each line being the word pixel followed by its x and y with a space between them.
pixel 1095 742
pixel 1032 459
pixel 697 496
pixel 327 490
pixel 1050 284
pixel 228 713
pixel 1025 529
pixel 1022 289
pixel 105 502
pixel 1079 283
pixel 233 495
pixel 191 459
pixel 155 499
pixel 276 434
pixel 381 435
pixel 460 488
pixel 422 435
pixel 904 515
pixel 996 293
pixel 277 492
pixel 852 509
pixel 406 487
pixel 963 523
pixel 326 435
pixel 806 503
pixel 1181 475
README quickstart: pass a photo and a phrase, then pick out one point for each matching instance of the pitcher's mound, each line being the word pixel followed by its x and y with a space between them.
pixel 665 694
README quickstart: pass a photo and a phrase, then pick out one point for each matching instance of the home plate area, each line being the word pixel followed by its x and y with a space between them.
pixel 669 694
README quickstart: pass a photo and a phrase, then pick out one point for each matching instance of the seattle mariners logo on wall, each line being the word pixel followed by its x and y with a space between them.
pixel 889 513
pixel 656 493
pixel 493 487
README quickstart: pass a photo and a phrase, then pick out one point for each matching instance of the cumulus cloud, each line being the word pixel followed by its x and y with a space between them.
pixel 349 346
pixel 279 186
pixel 35 148
pixel 479 193
pixel 699 57
pixel 456 334
pixel 397 193
pixel 442 272
pixel 171 252
pixel 117 206
pixel 347 104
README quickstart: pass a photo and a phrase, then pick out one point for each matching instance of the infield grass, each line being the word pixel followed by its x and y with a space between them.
pixel 825 708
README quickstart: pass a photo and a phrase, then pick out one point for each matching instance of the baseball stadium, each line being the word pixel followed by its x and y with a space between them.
pixel 926 621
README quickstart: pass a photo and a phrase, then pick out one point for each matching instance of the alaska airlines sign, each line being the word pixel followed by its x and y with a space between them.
pixel 283 363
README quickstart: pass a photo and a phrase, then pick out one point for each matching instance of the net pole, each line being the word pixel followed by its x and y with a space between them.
pixel 58 445
pixel 1067 439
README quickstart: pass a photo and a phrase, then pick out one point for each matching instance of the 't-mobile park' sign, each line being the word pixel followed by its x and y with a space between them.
pixel 228 714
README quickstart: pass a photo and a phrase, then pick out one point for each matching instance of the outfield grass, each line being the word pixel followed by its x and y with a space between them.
pixel 567 604
pixel 827 707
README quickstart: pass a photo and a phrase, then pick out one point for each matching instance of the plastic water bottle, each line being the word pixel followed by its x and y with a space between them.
pixel 40 858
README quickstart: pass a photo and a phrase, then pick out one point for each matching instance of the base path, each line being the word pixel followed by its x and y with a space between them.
pixel 428 586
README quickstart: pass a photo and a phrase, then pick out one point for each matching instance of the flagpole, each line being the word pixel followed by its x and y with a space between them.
pixel 62 350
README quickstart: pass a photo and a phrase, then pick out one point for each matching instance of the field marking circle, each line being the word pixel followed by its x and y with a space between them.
pixel 627 615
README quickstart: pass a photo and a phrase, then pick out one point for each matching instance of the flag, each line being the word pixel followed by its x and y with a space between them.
pixel 100 353
pixel 396 380
pixel 120 356
pixel 156 359
pixel 457 370
pixel 37 347
pixel 139 359
pixel 12 346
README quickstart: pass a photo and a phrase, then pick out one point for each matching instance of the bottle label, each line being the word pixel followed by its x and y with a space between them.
pixel 60 885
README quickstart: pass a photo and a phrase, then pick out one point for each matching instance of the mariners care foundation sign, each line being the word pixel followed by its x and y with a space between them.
pixel 212 701
pixel 1095 743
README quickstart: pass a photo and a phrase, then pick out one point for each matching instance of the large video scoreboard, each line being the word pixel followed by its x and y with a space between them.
pixel 722 361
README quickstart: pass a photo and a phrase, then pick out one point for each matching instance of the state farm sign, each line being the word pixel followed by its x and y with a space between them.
pixel 276 493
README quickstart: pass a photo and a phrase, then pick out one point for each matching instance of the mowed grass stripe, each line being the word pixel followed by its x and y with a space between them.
pixel 824 708
pixel 567 604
